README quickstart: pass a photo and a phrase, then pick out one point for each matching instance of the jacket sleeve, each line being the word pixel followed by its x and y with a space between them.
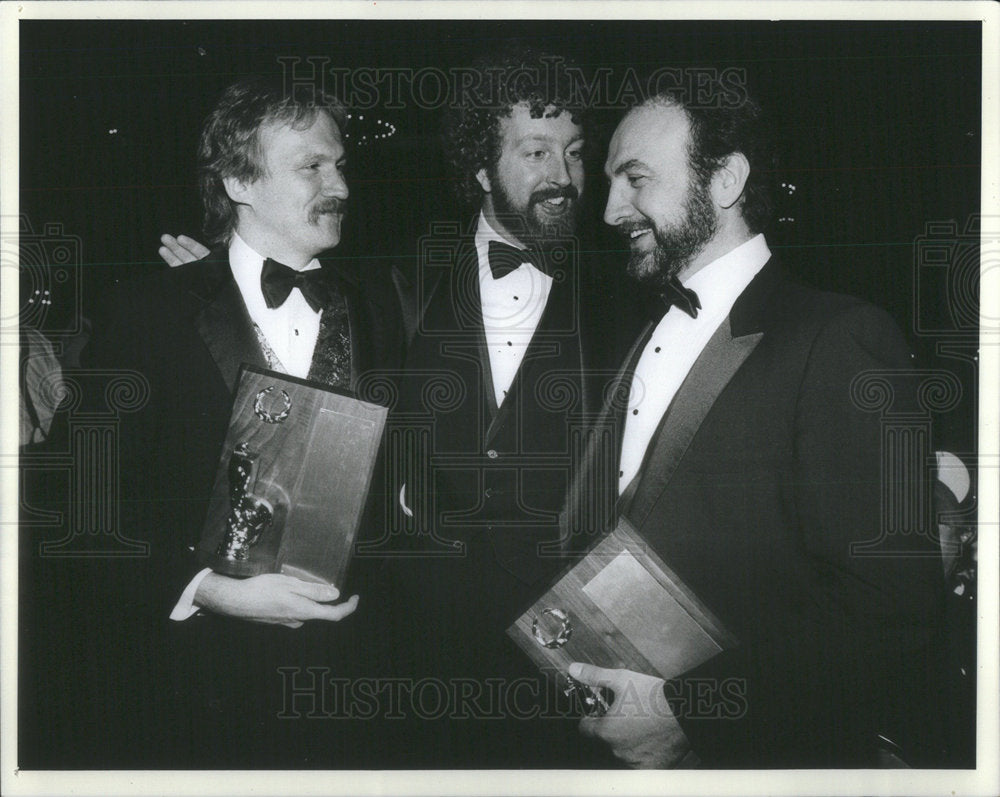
pixel 813 694
pixel 147 509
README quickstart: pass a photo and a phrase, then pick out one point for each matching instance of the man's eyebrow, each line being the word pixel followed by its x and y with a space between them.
pixel 316 155
pixel 634 163
pixel 544 137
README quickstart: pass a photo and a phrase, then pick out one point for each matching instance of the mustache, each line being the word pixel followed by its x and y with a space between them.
pixel 331 205
pixel 542 194
pixel 626 228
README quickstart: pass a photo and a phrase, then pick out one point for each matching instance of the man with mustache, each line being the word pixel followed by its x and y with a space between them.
pixel 750 467
pixel 480 442
pixel 491 398
pixel 271 173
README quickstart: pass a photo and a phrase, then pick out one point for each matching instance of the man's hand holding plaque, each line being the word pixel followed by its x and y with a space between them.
pixel 611 629
pixel 272 598
pixel 290 490
pixel 638 725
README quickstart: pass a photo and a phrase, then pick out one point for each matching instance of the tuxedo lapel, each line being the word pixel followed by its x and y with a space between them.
pixel 727 349
pixel 227 330
pixel 720 359
pixel 450 333
pixel 223 322
pixel 467 316
pixel 340 354
pixel 589 511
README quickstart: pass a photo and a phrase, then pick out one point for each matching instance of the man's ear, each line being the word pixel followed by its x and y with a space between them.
pixel 236 189
pixel 730 179
pixel 484 180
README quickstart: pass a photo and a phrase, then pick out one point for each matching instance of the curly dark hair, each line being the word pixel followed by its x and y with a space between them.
pixel 230 143
pixel 471 131
pixel 720 129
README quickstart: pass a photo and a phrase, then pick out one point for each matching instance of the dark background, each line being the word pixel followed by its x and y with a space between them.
pixel 880 134
pixel 879 123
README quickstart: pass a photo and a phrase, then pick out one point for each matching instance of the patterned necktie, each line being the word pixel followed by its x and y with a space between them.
pixel 505 258
pixel 277 281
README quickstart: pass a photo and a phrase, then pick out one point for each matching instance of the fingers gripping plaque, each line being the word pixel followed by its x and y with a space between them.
pixel 553 630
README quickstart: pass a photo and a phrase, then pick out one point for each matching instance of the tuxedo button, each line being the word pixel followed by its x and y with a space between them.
pixel 492 454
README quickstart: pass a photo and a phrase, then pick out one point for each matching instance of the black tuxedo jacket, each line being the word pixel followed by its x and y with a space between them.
pixel 764 477
pixel 485 484
pixel 209 687
pixel 187 332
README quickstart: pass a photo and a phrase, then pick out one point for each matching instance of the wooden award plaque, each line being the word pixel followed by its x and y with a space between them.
pixel 292 481
pixel 620 607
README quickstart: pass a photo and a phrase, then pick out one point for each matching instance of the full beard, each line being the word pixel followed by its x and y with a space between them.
pixel 678 244
pixel 537 226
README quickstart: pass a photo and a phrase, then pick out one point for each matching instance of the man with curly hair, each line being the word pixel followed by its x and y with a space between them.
pixel 492 400
pixel 522 189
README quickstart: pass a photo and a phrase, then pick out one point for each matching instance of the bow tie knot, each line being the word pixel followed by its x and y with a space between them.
pixel 277 281
pixel 505 258
pixel 675 295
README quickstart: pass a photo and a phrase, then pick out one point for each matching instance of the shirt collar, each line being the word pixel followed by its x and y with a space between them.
pixel 720 283
pixel 484 234
pixel 243 256
pixel 246 264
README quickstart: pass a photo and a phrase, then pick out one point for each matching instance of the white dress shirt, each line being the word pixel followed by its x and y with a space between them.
pixel 290 330
pixel 677 342
pixel 512 307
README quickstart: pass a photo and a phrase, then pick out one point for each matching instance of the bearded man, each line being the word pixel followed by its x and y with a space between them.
pixel 749 461
pixel 491 399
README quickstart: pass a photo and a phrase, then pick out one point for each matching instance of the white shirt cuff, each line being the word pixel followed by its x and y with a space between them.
pixel 185 607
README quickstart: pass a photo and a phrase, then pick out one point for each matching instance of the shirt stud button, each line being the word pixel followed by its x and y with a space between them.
pixel 492 454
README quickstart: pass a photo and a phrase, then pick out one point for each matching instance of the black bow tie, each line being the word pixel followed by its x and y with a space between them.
pixel 505 258
pixel 675 295
pixel 277 281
